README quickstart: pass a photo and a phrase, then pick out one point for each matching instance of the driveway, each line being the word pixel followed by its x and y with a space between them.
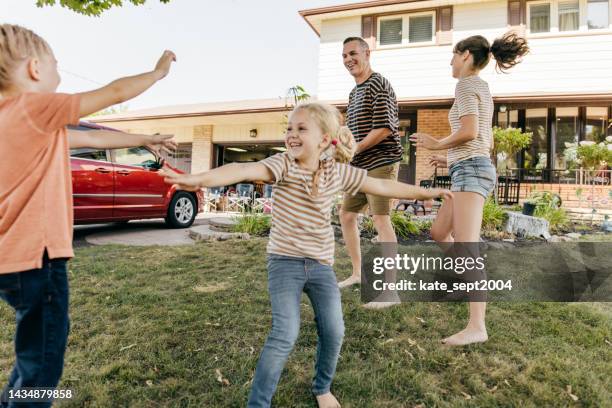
pixel 138 233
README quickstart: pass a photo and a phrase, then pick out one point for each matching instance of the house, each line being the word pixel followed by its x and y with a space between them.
pixel 562 92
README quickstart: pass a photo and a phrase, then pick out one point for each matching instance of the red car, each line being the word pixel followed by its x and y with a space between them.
pixel 118 185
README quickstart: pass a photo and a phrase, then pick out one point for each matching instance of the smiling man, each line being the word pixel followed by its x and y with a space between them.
pixel 372 117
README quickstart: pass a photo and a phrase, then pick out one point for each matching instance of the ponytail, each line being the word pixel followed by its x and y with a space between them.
pixel 345 145
pixel 507 50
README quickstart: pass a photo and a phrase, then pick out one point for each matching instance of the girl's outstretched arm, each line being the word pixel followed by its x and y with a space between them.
pixel 395 189
pixel 221 176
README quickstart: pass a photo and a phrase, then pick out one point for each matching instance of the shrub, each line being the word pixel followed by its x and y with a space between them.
pixel 548 206
pixel 405 227
pixel 254 224
pixel 493 215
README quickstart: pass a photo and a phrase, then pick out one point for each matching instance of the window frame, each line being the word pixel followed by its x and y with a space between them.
pixel 405 43
pixel 552 9
pixel 583 28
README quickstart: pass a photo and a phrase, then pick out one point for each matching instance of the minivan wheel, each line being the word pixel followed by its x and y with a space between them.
pixel 181 211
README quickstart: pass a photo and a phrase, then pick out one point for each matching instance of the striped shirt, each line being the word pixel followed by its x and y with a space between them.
pixel 472 97
pixel 301 223
pixel 373 105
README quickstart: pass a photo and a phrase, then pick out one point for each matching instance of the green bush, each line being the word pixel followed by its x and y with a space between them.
pixel 493 215
pixel 548 206
pixel 405 227
pixel 556 217
pixel 254 224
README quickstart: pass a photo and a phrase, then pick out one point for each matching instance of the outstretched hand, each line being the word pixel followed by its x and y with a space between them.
pixel 439 193
pixel 187 182
pixel 438 161
pixel 424 140
pixel 163 64
pixel 160 143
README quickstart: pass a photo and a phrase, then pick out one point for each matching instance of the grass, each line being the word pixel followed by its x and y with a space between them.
pixel 183 327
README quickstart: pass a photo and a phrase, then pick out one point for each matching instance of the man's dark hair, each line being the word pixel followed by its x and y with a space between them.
pixel 361 41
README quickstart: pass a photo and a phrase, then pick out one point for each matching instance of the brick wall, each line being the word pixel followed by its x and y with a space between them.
pixel 435 123
pixel 591 196
pixel 202 149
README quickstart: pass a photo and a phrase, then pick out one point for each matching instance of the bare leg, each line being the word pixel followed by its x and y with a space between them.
pixel 350 233
pixel 467 220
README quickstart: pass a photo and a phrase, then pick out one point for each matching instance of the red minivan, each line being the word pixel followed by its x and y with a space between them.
pixel 118 185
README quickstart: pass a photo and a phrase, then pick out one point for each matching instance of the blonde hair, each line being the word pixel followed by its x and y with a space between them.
pixel 16 45
pixel 328 118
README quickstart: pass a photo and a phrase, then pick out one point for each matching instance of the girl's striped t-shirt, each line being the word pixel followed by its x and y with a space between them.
pixel 472 97
pixel 301 223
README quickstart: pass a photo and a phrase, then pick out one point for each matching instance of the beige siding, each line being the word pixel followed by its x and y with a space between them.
pixel 578 63
pixel 240 133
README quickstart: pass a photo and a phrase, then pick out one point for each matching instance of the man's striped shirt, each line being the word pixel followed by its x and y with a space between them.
pixel 472 97
pixel 373 105
pixel 301 223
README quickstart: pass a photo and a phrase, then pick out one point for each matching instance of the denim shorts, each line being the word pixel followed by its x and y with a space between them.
pixel 476 175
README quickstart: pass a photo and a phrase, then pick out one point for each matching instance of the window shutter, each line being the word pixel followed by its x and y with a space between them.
pixel 514 13
pixel 516 16
pixel 368 32
pixel 444 29
pixel 390 31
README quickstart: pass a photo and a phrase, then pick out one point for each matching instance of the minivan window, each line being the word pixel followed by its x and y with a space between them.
pixel 87 153
pixel 135 156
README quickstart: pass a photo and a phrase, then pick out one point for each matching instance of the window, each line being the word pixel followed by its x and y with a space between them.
pixel 505 120
pixel 91 154
pixel 596 124
pixel 568 130
pixel 415 28
pixel 569 16
pixel 597 14
pixel 135 156
pixel 536 121
pixel 420 28
pixel 390 31
pixel 539 17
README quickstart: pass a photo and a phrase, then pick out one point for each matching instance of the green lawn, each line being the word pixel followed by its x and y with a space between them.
pixel 183 326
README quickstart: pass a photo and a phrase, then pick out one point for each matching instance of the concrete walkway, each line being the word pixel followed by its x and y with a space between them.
pixel 149 232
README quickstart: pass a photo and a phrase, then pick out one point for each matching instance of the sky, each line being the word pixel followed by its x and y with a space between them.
pixel 226 50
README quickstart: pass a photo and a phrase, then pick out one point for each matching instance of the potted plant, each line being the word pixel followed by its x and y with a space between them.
pixel 507 143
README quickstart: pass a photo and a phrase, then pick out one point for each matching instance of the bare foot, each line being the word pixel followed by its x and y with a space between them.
pixel 383 301
pixel 353 280
pixel 327 401
pixel 466 336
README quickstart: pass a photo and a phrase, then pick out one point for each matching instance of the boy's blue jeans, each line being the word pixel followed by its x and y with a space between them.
pixel 288 277
pixel 40 300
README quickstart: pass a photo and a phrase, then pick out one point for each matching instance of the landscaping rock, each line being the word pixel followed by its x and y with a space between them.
pixel 222 222
pixel 525 226
pixel 573 235
pixel 558 238
pixel 205 233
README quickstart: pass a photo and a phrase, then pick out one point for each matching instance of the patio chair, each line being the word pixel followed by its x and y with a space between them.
pixel 243 198
pixel 413 206
pixel 264 203
pixel 212 198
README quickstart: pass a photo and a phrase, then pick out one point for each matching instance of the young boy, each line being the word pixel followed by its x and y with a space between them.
pixel 36 193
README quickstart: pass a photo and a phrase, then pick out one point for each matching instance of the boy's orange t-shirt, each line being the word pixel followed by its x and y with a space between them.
pixel 35 179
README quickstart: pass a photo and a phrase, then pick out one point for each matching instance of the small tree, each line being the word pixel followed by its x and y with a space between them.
pixel 293 97
pixel 90 7
pixel 508 142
